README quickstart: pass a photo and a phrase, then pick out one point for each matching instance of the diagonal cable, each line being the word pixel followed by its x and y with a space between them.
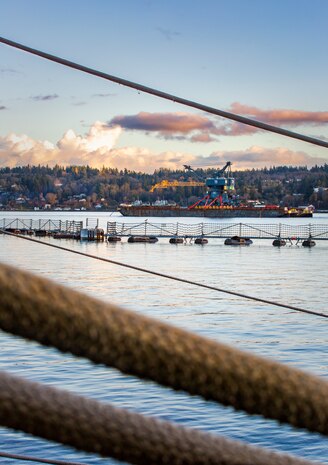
pixel 165 95
pixel 167 276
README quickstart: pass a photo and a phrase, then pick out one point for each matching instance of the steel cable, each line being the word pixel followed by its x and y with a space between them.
pixel 29 458
pixel 165 95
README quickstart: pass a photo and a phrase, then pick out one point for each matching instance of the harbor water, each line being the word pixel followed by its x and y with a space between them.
pixel 293 275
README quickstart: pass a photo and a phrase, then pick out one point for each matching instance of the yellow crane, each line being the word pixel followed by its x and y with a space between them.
pixel 166 184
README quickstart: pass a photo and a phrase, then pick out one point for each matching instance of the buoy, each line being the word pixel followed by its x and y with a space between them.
pixel 176 240
pixel 279 242
pixel 308 243
pixel 201 240
pixel 236 240
pixel 149 239
pixel 113 239
pixel 40 233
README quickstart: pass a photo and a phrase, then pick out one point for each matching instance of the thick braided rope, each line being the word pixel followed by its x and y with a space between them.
pixel 95 427
pixel 36 308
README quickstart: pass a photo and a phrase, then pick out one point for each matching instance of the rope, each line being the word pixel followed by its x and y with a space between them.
pixel 174 278
pixel 164 95
pixel 38 459
pixel 35 308
pixel 92 426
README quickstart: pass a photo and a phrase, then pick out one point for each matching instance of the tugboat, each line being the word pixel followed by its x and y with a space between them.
pixel 299 212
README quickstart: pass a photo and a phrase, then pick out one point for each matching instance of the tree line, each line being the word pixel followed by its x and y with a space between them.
pixel 76 186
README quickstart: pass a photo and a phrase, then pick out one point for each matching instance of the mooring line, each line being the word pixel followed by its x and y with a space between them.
pixel 165 95
pixel 167 276
pixel 130 437
pixel 38 459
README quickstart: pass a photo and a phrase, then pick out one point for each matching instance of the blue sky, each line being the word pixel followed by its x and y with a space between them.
pixel 263 59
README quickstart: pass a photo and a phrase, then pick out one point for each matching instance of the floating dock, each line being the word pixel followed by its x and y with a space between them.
pixel 176 232
pixel 41 228
pixel 218 230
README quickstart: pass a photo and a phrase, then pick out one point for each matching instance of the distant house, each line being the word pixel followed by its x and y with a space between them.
pixel 320 189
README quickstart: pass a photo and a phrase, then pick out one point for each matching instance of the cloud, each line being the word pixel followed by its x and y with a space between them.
pixel 79 104
pixel 168 33
pixel 96 149
pixel 196 128
pixel 163 122
pixel 99 148
pixel 42 98
pixel 99 138
pixel 168 125
pixel 71 149
pixel 9 71
pixel 2 107
pixel 321 137
pixel 22 150
pixel 103 95
pixel 202 137
pixel 234 129
pixel 258 157
pixel 282 116
pixel 203 128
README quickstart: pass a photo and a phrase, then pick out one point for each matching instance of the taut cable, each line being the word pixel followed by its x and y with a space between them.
pixel 165 95
pixel 167 276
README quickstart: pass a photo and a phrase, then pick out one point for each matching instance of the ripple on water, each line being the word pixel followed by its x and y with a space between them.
pixel 291 275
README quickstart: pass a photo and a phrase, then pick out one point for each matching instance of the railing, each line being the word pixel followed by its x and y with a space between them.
pixel 145 228
pixel 51 226
pixel 218 230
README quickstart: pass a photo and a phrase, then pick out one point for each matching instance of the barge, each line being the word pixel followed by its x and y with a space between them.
pixel 265 211
pixel 220 201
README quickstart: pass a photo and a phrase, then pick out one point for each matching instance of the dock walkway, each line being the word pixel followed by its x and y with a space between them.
pixel 218 230
pixel 171 230
pixel 26 226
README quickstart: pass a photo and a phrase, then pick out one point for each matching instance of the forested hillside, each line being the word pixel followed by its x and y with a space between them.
pixel 88 188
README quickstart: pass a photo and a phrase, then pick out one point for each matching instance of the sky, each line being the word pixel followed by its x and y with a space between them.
pixel 261 59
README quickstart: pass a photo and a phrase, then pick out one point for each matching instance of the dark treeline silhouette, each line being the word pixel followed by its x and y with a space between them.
pixel 85 187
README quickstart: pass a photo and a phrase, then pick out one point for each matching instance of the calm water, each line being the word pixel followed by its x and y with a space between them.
pixel 292 275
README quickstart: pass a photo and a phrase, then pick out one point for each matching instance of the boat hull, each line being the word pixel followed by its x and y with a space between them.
pixel 209 212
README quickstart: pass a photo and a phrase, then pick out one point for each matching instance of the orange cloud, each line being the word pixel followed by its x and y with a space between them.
pixel 282 116
pixel 259 157
pixel 200 128
pixel 195 128
pixel 163 123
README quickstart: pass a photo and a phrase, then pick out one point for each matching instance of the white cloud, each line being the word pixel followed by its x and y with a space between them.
pixel 92 148
pixel 100 139
pixel 98 148
pixel 22 150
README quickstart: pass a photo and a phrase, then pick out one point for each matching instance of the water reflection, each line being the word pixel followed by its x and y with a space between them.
pixel 292 275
